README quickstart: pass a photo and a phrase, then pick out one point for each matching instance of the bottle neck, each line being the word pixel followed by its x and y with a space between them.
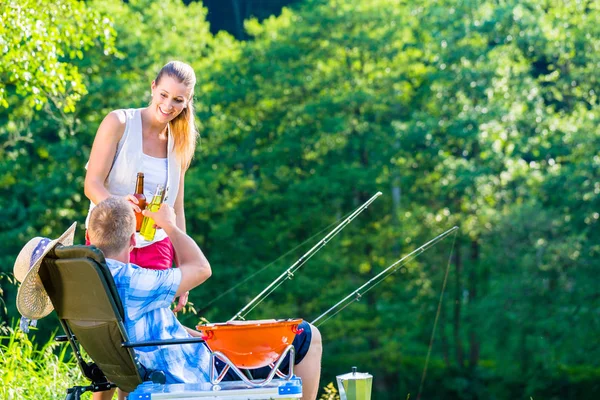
pixel 139 186
pixel 158 197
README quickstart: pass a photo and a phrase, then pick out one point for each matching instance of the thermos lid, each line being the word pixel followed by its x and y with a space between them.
pixel 354 375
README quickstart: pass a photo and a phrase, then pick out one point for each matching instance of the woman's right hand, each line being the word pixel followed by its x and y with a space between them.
pixel 134 203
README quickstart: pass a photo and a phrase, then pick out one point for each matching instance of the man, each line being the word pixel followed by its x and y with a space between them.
pixel 147 295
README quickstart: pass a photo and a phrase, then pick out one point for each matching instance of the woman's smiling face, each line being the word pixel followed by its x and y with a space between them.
pixel 169 98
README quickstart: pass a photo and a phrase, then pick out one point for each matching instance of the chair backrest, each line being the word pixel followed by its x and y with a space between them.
pixel 88 306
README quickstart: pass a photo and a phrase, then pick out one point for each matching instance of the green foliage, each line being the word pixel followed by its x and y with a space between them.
pixel 28 371
pixel 38 46
pixel 453 106
pixel 472 113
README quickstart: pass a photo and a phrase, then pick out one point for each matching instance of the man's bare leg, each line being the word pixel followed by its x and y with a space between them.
pixel 105 395
pixel 108 395
pixel 309 369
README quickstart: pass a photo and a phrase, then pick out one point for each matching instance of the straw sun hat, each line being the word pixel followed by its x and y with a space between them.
pixel 32 300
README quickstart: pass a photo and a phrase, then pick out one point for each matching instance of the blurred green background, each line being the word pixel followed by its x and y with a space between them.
pixel 481 114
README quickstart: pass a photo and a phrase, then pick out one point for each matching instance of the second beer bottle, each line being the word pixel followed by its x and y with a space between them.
pixel 148 229
pixel 139 195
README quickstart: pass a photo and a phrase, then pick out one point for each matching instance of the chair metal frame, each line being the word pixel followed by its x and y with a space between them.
pixel 253 383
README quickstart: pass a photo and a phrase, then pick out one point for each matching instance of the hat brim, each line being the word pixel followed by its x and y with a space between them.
pixel 32 300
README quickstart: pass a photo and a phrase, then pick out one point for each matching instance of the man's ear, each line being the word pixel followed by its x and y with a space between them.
pixel 132 241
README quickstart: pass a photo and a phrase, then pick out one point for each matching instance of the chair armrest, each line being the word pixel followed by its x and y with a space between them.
pixel 167 342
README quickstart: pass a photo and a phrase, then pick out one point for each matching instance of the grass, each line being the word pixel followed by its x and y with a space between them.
pixel 28 371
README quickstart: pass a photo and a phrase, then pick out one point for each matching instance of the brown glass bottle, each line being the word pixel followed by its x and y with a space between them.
pixel 139 195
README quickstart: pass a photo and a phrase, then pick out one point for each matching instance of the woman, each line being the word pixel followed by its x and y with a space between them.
pixel 158 140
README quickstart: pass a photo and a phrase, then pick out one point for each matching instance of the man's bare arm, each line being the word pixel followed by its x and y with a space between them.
pixel 194 266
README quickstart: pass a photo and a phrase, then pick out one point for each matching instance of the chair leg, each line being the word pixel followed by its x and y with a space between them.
pixel 75 392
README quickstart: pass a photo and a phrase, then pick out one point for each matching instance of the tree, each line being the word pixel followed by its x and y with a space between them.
pixel 39 85
pixel 40 40
pixel 456 112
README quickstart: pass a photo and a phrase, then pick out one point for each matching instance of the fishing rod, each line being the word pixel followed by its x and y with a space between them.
pixel 289 273
pixel 269 265
pixel 358 293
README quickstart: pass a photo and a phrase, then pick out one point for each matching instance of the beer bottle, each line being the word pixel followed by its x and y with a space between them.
pixel 148 230
pixel 139 195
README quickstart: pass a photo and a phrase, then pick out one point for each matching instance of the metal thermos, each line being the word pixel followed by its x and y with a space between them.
pixel 355 385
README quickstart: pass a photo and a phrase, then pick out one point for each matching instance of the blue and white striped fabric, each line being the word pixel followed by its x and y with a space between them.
pixel 147 296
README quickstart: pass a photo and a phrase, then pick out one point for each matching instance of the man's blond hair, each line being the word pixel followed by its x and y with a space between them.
pixel 112 222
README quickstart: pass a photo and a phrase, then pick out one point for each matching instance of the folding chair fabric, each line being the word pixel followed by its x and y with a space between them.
pixel 86 301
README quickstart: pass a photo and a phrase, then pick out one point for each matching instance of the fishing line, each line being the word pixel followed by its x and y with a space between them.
pixel 437 316
pixel 289 273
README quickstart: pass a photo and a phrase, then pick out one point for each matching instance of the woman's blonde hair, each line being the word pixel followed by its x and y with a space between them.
pixel 183 128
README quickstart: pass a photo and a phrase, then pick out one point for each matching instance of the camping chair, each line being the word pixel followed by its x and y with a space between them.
pixel 90 312
pixel 86 301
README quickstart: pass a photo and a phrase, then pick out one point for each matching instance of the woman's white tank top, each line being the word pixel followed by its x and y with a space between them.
pixel 130 159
